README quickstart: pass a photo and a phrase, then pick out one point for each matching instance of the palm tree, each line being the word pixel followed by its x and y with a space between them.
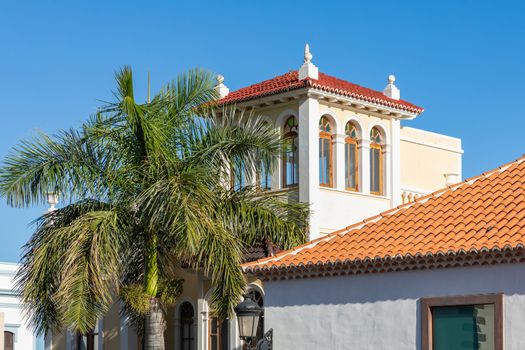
pixel 145 187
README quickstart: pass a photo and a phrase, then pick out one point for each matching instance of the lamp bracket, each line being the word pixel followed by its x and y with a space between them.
pixel 266 343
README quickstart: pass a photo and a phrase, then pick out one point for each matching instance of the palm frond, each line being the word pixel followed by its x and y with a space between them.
pixel 67 164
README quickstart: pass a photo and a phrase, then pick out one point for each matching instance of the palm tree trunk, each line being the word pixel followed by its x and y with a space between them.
pixel 154 327
pixel 154 320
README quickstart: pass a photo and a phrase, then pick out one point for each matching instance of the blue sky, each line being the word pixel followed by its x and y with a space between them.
pixel 461 60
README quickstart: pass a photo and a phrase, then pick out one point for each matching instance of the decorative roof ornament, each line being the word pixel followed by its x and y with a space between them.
pixel 307 55
pixel 391 90
pixel 221 89
pixel 308 69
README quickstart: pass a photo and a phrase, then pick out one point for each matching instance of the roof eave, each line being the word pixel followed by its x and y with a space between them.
pixel 473 257
pixel 342 100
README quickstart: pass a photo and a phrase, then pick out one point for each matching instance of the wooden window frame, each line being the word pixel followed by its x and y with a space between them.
pixel 380 148
pixel 219 334
pixel 323 135
pixel 351 140
pixel 292 135
pixel 428 303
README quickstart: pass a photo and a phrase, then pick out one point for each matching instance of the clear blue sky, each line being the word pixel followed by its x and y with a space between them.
pixel 461 60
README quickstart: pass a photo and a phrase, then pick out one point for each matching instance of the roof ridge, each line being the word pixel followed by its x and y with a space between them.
pixel 348 229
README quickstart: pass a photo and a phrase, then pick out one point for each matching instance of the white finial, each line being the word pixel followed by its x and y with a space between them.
pixel 308 69
pixel 391 90
pixel 221 89
pixel 391 78
pixel 307 55
pixel 52 200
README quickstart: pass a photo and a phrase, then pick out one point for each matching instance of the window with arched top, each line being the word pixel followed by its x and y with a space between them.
pixel 376 162
pixel 325 152
pixel 291 156
pixel 351 157
pixel 187 328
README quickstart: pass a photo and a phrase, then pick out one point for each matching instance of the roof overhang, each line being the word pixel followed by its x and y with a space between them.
pixel 471 258
pixel 330 98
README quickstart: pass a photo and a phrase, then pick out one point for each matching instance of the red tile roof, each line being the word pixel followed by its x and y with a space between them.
pixel 484 213
pixel 290 81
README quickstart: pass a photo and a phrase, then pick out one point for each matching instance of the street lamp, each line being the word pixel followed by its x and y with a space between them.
pixel 248 316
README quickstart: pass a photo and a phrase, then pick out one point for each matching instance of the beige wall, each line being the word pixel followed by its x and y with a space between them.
pixel 426 157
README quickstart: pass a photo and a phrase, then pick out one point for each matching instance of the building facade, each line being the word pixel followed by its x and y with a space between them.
pixel 15 331
pixel 348 156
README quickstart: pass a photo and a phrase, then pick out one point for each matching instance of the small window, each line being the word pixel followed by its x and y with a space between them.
pixel 351 157
pixel 459 323
pixel 218 331
pixel 325 152
pixel 291 156
pixel 376 162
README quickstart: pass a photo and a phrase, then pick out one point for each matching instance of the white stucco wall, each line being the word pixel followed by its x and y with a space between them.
pixel 382 311
pixel 12 310
pixel 339 209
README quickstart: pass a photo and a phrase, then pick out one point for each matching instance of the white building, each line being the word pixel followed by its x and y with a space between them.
pixel 351 159
pixel 16 333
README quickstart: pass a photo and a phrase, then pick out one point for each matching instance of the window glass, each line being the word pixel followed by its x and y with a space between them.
pixel 290 156
pixel 218 334
pixel 376 168
pixel 264 175
pixel 325 152
pixel 469 327
pixel 351 157
pixel 238 175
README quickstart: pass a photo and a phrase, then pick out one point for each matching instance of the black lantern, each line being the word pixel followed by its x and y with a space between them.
pixel 248 315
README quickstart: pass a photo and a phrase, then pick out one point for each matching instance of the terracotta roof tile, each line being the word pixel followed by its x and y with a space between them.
pixel 290 81
pixel 485 212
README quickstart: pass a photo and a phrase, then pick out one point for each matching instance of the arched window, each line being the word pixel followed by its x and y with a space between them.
pixel 257 297
pixel 376 162
pixel 290 157
pixel 351 157
pixel 187 328
pixel 325 152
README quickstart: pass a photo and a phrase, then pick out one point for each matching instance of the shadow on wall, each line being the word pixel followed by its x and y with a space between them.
pixel 370 288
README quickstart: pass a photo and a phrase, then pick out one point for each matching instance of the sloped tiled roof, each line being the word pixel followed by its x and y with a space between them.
pixel 482 214
pixel 290 81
